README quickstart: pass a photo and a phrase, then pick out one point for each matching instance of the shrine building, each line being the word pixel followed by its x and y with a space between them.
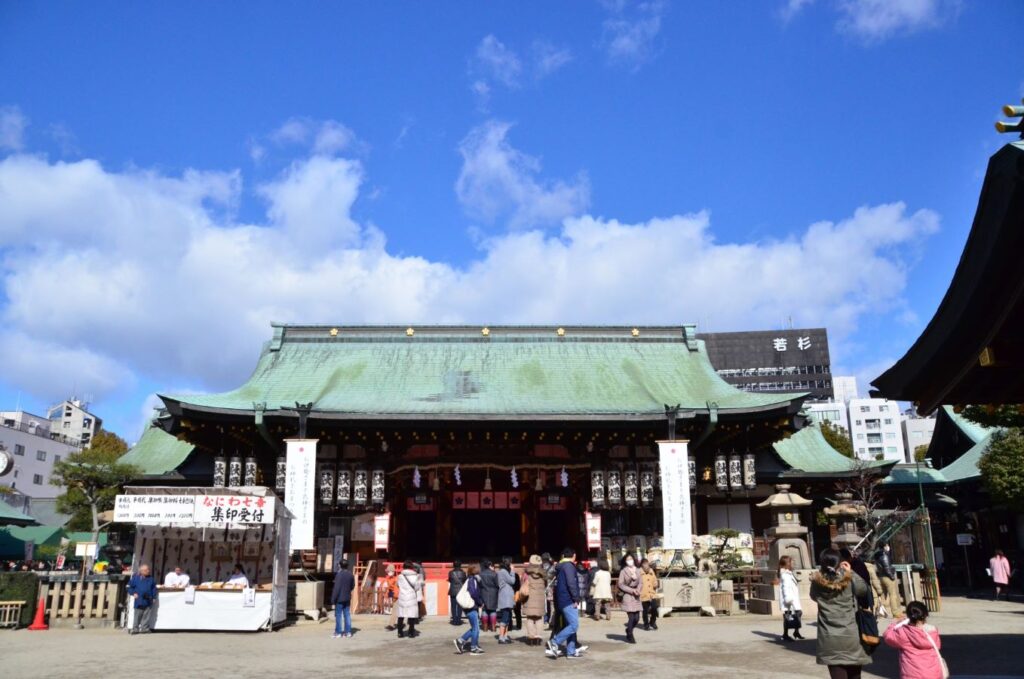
pixel 485 442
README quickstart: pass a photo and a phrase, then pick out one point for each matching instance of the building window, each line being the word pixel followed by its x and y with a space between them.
pixel 37 479
pixel 86 422
pixel 860 437
pixel 874 438
pixel 890 435
pixel 19 449
pixel 883 409
pixel 888 420
pixel 865 409
pixel 858 423
pixel 56 459
pixel 891 449
pixel 15 473
pixel 67 425
pixel 41 455
pixel 860 450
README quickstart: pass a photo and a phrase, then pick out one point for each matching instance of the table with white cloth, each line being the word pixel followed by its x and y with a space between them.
pixel 212 609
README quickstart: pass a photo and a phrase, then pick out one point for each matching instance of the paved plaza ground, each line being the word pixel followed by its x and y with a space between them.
pixel 980 638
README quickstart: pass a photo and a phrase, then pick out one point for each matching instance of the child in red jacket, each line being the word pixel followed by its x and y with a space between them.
pixel 918 644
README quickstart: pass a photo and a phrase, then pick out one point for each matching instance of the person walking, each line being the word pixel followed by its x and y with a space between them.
pixel 471 638
pixel 489 591
pixel 887 576
pixel 789 600
pixel 583 584
pixel 566 596
pixel 517 610
pixel 410 593
pixel 391 605
pixel 602 591
pixel 918 644
pixel 532 591
pixel 999 567
pixel 341 597
pixel 649 595
pixel 592 570
pixel 836 589
pixel 456 578
pixel 506 599
pixel 549 574
pixel 629 585
pixel 142 590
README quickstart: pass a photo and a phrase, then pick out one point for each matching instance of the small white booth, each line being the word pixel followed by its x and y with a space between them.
pixel 205 532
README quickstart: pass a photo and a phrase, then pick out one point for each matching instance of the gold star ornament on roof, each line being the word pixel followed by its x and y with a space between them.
pixel 635 332
pixel 410 332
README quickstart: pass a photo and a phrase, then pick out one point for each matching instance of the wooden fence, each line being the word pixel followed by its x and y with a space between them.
pixel 100 601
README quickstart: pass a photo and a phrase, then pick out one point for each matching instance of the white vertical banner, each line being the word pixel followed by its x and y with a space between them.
pixel 675 494
pixel 381 530
pixel 300 490
pixel 593 524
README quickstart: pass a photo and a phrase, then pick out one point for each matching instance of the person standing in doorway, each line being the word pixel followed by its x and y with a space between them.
pixel 789 599
pixel 534 585
pixel 999 567
pixel 456 579
pixel 410 593
pixel 142 590
pixel 629 585
pixel 649 595
pixel 489 592
pixel 471 639
pixel 836 590
pixel 341 597
pixel 602 591
pixel 566 596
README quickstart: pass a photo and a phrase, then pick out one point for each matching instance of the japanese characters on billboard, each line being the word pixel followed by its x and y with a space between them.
pixel 300 490
pixel 154 508
pixel 675 494
pixel 233 509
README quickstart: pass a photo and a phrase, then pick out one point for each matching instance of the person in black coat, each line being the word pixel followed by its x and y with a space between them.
pixel 489 593
pixel 456 579
pixel 341 597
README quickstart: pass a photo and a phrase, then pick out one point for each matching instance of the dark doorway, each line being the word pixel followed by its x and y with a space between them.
pixel 553 533
pixel 420 535
pixel 491 533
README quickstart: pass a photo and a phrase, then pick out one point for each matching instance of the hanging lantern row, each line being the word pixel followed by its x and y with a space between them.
pixel 617 486
pixel 735 472
pixel 233 473
pixel 342 485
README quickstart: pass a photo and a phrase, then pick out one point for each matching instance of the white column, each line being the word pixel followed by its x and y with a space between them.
pixel 675 494
pixel 300 490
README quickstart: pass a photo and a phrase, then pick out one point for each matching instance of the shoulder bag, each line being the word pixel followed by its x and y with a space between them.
pixel 942 661
pixel 464 599
pixel 867 625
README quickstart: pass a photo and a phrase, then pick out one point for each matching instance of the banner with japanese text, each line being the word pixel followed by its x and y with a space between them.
pixel 233 509
pixel 675 494
pixel 154 508
pixel 300 490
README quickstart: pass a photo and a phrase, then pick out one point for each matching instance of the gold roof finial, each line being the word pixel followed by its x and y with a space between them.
pixel 1012 112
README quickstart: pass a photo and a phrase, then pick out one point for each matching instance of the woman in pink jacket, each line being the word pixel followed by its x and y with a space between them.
pixel 918 644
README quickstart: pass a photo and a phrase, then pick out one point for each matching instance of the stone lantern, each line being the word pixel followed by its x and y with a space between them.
pixel 786 528
pixel 845 513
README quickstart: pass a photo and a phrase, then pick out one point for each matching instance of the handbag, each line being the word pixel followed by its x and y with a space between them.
pixel 464 599
pixel 867 626
pixel 942 661
pixel 791 619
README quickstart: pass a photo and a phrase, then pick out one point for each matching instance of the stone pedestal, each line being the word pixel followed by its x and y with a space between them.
pixel 786 529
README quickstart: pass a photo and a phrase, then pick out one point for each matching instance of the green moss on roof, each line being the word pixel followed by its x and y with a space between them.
pixel 157 452
pixel 460 371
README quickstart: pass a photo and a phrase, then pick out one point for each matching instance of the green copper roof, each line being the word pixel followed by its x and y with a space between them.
pixel 515 372
pixel 976 432
pixel 808 451
pixel 907 474
pixel 9 514
pixel 157 452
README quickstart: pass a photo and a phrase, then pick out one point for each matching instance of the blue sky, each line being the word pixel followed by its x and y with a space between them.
pixel 173 177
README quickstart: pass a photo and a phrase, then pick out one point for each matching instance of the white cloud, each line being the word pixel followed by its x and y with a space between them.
pixel 793 7
pixel 875 20
pixel 322 137
pixel 495 61
pixel 114 277
pixel 629 33
pixel 547 58
pixel 64 138
pixel 12 128
pixel 498 182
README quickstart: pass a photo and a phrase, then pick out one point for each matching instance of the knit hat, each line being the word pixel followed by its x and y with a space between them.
pixel 535 560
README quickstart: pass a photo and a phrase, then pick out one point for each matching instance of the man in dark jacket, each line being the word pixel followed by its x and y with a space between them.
pixel 567 595
pixel 489 593
pixel 142 590
pixel 341 597
pixel 887 576
pixel 456 579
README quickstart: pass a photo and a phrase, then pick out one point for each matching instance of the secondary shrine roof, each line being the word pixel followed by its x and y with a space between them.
pixel 807 451
pixel 461 372
pixel 157 452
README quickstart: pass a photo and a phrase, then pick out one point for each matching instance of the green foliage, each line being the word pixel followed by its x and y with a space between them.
pixel 92 479
pixel 996 415
pixel 920 453
pixel 1002 469
pixel 21 587
pixel 837 438
pixel 725 561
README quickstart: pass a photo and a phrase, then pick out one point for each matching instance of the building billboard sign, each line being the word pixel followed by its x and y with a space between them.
pixel 675 494
pixel 300 490
pixel 233 509
pixel 154 508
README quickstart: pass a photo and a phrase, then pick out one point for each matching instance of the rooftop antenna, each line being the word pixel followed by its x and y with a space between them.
pixel 1012 112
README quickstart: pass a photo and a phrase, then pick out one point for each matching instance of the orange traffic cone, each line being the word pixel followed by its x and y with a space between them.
pixel 40 622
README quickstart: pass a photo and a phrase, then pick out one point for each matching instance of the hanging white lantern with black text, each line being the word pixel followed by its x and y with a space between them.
pixel 735 472
pixel 749 471
pixel 632 490
pixel 721 473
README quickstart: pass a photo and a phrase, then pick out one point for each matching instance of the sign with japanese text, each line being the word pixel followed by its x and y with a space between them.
pixel 154 508
pixel 593 523
pixel 233 509
pixel 675 494
pixel 300 490
pixel 381 530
